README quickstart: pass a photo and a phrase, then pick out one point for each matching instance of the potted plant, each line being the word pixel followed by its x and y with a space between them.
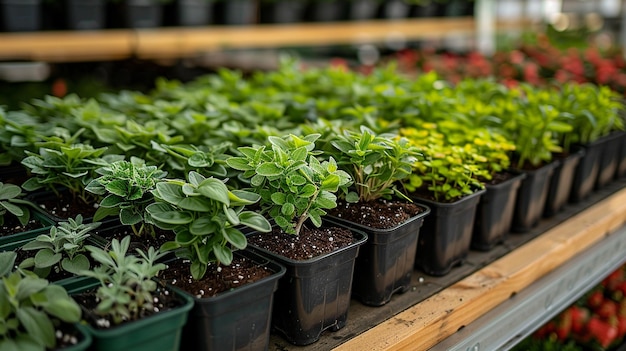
pixel 237 12
pixel 595 115
pixel 125 307
pixel 296 190
pixel 206 217
pixel 125 187
pixel 64 168
pixel 377 163
pixel 446 180
pixel 35 313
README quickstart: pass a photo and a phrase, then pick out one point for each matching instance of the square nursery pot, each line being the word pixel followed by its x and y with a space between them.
pixel 237 12
pixel 446 235
pixel 159 332
pixel 21 15
pixel 588 171
pixel 386 260
pixel 314 294
pixel 85 14
pixel 395 9
pixel 326 11
pixel 238 319
pixel 360 10
pixel 142 13
pixel 531 198
pixel 494 215
pixel 282 11
pixel 561 181
pixel 609 160
pixel 621 160
pixel 194 13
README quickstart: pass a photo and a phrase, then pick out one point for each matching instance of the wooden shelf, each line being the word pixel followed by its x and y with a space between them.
pixel 179 42
pixel 436 308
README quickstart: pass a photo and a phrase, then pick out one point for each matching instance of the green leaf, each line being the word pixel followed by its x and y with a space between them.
pixel 223 254
pixel 214 189
pixel 172 217
pixel 268 169
pixel 7 260
pixel 9 191
pixel 299 154
pixel 231 215
pixel 255 221
pixel 198 270
pixel 128 217
pixel 111 200
pixel 76 264
pixel 37 325
pixel 15 210
pixel 47 258
pixel 279 198
pixel 239 163
pixel 235 237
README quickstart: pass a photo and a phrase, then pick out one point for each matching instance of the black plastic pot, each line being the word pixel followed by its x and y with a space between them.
pixel 386 260
pixel 237 12
pixel 143 13
pixel 432 9
pixel 446 235
pixel 395 9
pixel 587 171
pixel 85 14
pixel 21 15
pixel 561 181
pixel 494 215
pixel 608 159
pixel 192 13
pixel 531 198
pixel 314 295
pixel 359 10
pixel 282 11
pixel 239 319
pixel 326 11
pixel 621 160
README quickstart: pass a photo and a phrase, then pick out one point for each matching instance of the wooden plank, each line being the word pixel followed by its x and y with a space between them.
pixel 168 42
pixel 67 46
pixel 441 315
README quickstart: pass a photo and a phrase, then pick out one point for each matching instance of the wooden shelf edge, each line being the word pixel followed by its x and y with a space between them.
pixel 441 315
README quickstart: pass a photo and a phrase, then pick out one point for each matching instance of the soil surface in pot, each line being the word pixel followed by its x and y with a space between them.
pixel 218 278
pixel 311 242
pixel 66 335
pixel 65 206
pixel 13 226
pixel 163 299
pixel 499 177
pixel 381 214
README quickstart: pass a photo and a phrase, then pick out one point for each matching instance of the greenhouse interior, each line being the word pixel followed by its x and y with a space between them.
pixel 312 175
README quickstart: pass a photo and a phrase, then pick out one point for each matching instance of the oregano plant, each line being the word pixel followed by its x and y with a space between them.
pixel 294 185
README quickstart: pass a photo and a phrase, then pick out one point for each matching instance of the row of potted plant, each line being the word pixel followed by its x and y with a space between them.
pixel 101 14
pixel 208 165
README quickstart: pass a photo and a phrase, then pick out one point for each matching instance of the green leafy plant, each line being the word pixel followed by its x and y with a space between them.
pixel 31 309
pixel 10 203
pixel 126 187
pixel 61 162
pixel 126 281
pixel 206 217
pixel 375 162
pixel 294 185
pixel 61 249
pixel 447 172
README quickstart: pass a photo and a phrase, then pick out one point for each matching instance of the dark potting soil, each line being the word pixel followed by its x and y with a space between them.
pixel 499 177
pixel 218 278
pixel 13 226
pixel 142 242
pixel 381 214
pixel 163 299
pixel 311 242
pixel 65 206
pixel 66 335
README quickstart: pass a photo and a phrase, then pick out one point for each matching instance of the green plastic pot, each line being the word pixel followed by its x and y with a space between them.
pixel 158 332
